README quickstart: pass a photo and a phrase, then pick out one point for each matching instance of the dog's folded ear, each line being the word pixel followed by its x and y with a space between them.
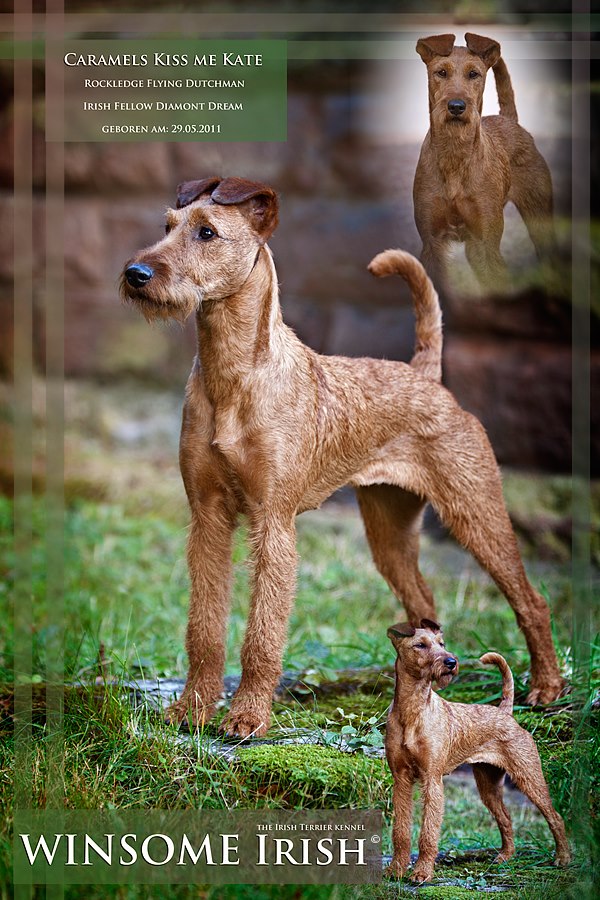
pixel 401 630
pixel 436 45
pixel 484 47
pixel 263 206
pixel 431 625
pixel 188 191
pixel 262 203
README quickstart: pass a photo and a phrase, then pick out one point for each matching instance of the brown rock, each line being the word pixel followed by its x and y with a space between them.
pixel 520 391
pixel 323 246
pixel 196 160
pixel 7 262
pixel 6 332
pixel 7 143
pixel 117 167
pixel 129 225
pixel 85 255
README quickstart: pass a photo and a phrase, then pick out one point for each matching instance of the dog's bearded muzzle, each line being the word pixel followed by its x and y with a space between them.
pixel 445 669
pixel 148 286
pixel 449 113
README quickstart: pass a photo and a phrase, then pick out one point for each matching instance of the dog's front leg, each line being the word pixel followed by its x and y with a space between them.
pixel 209 562
pixel 273 538
pixel 401 832
pixel 434 257
pixel 433 811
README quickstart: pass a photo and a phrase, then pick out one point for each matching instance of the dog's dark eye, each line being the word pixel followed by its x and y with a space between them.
pixel 441 72
pixel 474 74
pixel 168 228
pixel 420 646
pixel 206 234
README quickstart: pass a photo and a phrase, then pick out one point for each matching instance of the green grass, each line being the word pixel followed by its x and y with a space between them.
pixel 126 588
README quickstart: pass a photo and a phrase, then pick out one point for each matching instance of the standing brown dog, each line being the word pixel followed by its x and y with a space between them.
pixel 470 167
pixel 271 428
pixel 426 737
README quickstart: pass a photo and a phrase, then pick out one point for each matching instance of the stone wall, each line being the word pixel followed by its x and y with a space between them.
pixel 344 197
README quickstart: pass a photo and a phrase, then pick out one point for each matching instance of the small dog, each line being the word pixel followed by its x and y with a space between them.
pixel 427 737
pixel 470 167
pixel 271 428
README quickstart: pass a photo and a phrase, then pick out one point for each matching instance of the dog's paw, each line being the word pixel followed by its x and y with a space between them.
pixel 246 720
pixel 395 869
pixel 504 855
pixel 421 873
pixel 188 710
pixel 562 858
pixel 548 692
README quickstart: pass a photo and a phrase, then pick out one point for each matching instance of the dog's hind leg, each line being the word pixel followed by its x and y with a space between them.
pixel 463 484
pixel 535 208
pixel 523 766
pixel 489 780
pixel 392 518
pixel 532 197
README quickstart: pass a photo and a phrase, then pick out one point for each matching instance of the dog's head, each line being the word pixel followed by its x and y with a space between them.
pixel 213 238
pixel 422 652
pixel 457 76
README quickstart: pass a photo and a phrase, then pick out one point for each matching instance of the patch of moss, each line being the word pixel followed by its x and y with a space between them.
pixel 313 777
pixel 445 892
pixel 320 712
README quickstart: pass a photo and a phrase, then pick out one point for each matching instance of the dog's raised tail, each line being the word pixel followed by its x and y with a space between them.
pixel 506 97
pixel 508 685
pixel 427 358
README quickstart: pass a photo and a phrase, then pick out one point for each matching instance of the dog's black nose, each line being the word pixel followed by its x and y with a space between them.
pixel 138 275
pixel 450 663
pixel 456 107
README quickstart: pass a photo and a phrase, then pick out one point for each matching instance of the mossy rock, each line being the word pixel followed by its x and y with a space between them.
pixel 323 711
pixel 313 777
